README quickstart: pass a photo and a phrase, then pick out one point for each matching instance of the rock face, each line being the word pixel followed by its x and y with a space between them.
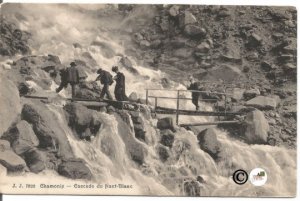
pixel 192 188
pixel 74 169
pixel 35 160
pixel 209 143
pixel 262 102
pixel 166 123
pixel 10 105
pixel 9 159
pixel 163 153
pixel 224 72
pixel 46 127
pixel 167 138
pixel 13 40
pixel 257 127
pixel 21 137
pixel 81 120
pixel 134 148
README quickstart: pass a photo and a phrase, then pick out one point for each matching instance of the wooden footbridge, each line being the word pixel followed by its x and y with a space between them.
pixel 178 111
pixel 156 109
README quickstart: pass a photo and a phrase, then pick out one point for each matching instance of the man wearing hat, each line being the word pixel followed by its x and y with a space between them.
pixel 105 79
pixel 195 95
pixel 120 85
pixel 73 77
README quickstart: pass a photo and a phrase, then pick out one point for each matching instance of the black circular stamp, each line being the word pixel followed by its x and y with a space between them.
pixel 240 177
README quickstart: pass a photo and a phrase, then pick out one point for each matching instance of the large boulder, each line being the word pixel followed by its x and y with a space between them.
pixel 10 106
pixel 251 93
pixel 46 63
pixel 9 159
pixel 167 138
pixel 21 137
pixel 257 127
pixel 126 63
pixel 163 153
pixel 74 169
pixel 262 102
pixel 35 160
pixel 82 120
pixel 183 53
pixel 192 188
pixel 133 97
pixel 166 123
pixel 47 128
pixel 209 143
pixel 136 150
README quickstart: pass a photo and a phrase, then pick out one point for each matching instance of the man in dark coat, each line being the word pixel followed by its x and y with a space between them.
pixel 64 79
pixel 120 85
pixel 105 79
pixel 195 95
pixel 73 77
pixel 69 75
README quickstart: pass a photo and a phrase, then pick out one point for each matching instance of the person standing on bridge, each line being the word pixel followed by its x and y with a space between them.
pixel 107 80
pixel 120 85
pixel 195 95
pixel 69 75
pixel 73 77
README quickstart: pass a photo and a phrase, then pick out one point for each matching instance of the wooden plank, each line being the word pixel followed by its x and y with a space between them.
pixel 210 123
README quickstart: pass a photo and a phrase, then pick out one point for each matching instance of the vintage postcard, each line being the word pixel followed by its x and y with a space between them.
pixel 159 100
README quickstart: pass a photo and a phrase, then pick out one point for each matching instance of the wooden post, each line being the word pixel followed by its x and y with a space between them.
pixel 225 103
pixel 177 108
pixel 146 96
pixel 155 103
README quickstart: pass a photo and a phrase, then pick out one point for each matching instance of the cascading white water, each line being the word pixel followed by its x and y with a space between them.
pixel 105 155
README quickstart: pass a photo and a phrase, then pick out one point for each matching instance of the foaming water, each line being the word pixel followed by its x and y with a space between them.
pixel 107 154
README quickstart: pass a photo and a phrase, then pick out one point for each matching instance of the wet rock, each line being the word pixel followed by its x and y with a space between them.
pixel 10 106
pixel 86 94
pixel 209 143
pixel 21 137
pixel 133 97
pixel 45 63
pixel 47 128
pixel 35 160
pixel 23 88
pixel 237 94
pixel 194 31
pixel 163 153
pixel 251 93
pixel 134 148
pixel 74 169
pixel 192 188
pixel 166 123
pixel 167 138
pixel 262 102
pixel 289 67
pixel 140 132
pixel 11 161
pixel 128 65
pixel 257 127
pixel 79 118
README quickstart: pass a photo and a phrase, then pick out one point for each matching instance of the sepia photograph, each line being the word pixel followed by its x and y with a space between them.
pixel 148 100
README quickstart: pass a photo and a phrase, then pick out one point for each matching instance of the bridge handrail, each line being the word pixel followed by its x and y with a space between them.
pixel 212 92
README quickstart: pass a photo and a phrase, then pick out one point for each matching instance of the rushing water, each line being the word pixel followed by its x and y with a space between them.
pixel 107 155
